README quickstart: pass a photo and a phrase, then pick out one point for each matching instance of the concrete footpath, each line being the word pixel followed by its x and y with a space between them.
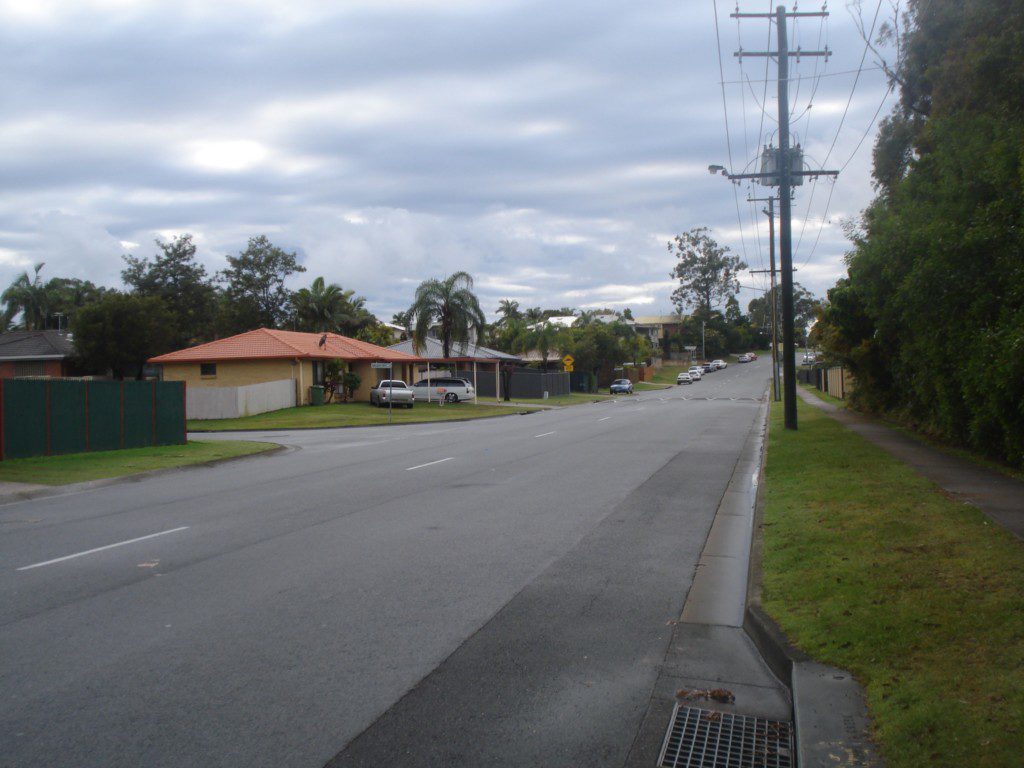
pixel 1000 497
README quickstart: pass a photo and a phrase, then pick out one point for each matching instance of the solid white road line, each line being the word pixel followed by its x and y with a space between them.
pixel 605 418
pixel 100 549
pixel 544 435
pixel 429 464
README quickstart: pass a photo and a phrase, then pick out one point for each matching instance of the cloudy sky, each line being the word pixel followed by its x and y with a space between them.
pixel 548 148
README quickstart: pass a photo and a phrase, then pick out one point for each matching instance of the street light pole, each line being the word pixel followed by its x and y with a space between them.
pixel 703 353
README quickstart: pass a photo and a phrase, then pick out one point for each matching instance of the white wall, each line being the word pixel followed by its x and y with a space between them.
pixel 232 402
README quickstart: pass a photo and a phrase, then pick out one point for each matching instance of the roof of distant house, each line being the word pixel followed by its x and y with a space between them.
pixel 35 345
pixel 658 319
pixel 433 350
pixel 270 344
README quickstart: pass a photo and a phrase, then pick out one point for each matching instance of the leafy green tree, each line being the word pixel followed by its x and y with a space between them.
pixel 176 277
pixel 450 304
pixel 121 331
pixel 377 333
pixel 706 271
pixel 27 295
pixel 403 319
pixel 930 317
pixel 67 295
pixel 255 295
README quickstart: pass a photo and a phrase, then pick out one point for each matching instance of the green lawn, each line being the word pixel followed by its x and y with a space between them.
pixel 667 373
pixel 350 415
pixel 871 568
pixel 79 467
pixel 646 386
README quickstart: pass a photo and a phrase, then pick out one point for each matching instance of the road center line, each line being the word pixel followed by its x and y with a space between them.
pixel 100 549
pixel 605 418
pixel 429 464
pixel 544 435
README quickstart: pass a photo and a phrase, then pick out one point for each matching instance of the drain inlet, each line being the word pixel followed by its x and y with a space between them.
pixel 705 738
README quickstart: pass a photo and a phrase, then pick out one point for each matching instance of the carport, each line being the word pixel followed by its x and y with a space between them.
pixel 481 363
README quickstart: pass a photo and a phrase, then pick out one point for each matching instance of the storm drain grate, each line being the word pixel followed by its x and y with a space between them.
pixel 704 738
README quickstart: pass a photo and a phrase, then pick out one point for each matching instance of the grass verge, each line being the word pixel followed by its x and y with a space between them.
pixel 350 415
pixel 79 467
pixel 871 568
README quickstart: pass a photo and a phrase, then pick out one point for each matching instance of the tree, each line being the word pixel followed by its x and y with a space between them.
pixel 67 295
pixel 403 319
pixel 28 295
pixel 176 277
pixel 254 286
pixel 452 305
pixel 319 307
pixel 509 310
pixel 121 331
pixel 377 333
pixel 706 272
pixel 930 317
pixel 542 338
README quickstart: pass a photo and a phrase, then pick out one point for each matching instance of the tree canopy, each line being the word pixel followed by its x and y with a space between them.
pixel 706 271
pixel 452 306
pixel 930 317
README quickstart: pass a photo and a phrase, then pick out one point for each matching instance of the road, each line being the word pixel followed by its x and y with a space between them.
pixel 487 592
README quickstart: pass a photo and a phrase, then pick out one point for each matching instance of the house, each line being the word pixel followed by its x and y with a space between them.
pixel 35 353
pixel 480 365
pixel 658 327
pixel 268 355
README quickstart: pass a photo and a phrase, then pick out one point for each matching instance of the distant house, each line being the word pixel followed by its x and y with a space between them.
pixel 267 355
pixel 657 328
pixel 35 353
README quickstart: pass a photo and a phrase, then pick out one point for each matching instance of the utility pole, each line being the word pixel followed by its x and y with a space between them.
pixel 776 389
pixel 780 173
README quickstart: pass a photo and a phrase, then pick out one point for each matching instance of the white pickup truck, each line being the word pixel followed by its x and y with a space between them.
pixel 392 391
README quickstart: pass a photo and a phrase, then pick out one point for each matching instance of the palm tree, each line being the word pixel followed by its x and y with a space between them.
pixel 451 304
pixel 543 340
pixel 319 307
pixel 354 316
pixel 534 315
pixel 509 310
pixel 28 296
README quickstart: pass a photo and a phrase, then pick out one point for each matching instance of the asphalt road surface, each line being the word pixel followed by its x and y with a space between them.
pixel 494 592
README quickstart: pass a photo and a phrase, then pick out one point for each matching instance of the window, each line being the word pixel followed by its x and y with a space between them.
pixel 207 369
pixel 318 372
pixel 30 368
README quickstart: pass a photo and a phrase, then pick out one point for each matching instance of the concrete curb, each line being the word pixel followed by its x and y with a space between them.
pixel 830 719
pixel 89 485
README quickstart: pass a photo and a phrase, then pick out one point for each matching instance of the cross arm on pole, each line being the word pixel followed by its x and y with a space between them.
pixel 797 54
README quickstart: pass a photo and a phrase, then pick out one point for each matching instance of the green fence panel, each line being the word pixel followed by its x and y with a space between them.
pixel 138 413
pixel 170 412
pixel 24 418
pixel 104 403
pixel 67 416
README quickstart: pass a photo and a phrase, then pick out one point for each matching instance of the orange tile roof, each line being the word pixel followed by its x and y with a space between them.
pixel 266 343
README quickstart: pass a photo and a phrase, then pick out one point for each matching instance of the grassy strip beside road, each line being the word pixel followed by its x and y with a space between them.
pixel 350 415
pixel 79 467
pixel 871 568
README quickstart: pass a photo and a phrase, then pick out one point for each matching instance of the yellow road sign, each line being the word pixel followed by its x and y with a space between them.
pixel 567 361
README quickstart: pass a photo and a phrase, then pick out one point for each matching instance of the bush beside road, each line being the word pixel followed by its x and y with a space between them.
pixel 869 567
pixel 80 467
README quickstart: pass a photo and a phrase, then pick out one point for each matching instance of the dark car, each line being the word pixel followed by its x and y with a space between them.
pixel 622 387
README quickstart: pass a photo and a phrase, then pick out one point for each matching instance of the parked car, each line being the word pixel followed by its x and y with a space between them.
pixel 696 373
pixel 720 364
pixel 622 387
pixel 450 390
pixel 706 368
pixel 393 391
pixel 684 378
pixel 752 356
pixel 743 359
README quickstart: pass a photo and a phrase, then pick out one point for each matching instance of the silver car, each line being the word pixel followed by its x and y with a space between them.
pixel 392 391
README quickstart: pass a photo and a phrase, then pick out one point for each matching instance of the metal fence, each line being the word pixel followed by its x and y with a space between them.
pixel 44 417
pixel 523 383
pixel 833 380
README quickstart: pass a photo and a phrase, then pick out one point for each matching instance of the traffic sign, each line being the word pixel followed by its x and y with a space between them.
pixel 381 365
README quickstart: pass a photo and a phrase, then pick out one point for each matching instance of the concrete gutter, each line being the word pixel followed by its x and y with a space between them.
pixel 830 719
